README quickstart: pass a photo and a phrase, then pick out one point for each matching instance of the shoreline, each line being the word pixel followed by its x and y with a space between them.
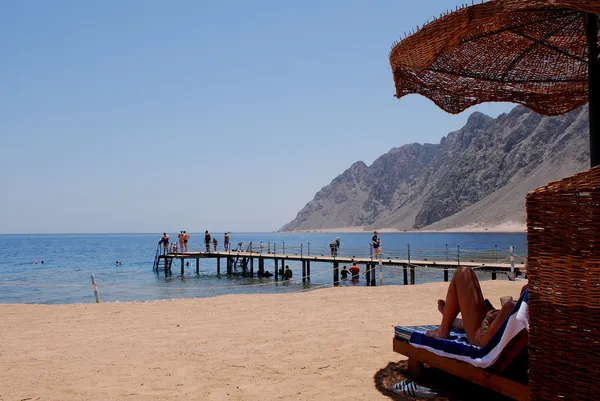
pixel 499 229
pixel 318 345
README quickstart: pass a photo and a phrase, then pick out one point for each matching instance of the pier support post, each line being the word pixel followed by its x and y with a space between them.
pixel 182 263
pixel 373 277
pixel 275 268
pixel 336 273
pixel 405 273
pixel 368 273
pixel 218 266
pixel 412 274
pixel 304 271
pixel 308 270
pixel 261 266
pixel 493 275
pixel 445 274
pixel 229 263
pixel 251 267
pixel 198 265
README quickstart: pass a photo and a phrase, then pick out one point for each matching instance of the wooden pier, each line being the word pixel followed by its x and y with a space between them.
pixel 245 261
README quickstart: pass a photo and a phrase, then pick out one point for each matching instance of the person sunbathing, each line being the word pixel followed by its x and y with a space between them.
pixel 480 320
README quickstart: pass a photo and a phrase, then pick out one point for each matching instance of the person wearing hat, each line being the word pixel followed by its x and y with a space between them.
pixel 164 240
pixel 334 246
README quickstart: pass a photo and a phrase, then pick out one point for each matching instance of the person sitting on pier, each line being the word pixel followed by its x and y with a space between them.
pixel 480 320
pixel 344 273
pixel 288 273
pixel 354 270
pixel 164 240
pixel 334 246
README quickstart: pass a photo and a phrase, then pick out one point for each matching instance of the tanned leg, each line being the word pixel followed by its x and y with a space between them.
pixel 464 296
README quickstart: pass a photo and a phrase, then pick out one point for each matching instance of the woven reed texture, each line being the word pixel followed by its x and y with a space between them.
pixel 530 52
pixel 563 266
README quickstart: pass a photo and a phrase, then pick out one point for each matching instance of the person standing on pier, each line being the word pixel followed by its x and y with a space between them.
pixel 334 246
pixel 215 243
pixel 164 240
pixel 207 240
pixel 226 242
pixel 180 239
pixel 186 237
pixel 376 242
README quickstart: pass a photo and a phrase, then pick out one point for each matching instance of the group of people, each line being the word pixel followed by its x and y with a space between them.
pixel 183 239
pixel 354 271
pixel 334 245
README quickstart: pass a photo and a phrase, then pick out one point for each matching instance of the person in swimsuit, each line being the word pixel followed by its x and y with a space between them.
pixel 186 237
pixel 164 240
pixel 215 243
pixel 226 242
pixel 480 320
pixel 207 240
pixel 180 238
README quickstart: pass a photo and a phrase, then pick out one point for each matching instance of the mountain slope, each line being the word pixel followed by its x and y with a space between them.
pixel 476 176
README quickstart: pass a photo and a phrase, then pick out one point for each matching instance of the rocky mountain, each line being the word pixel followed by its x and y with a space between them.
pixel 476 177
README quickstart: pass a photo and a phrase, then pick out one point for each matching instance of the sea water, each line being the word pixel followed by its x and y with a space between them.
pixel 70 260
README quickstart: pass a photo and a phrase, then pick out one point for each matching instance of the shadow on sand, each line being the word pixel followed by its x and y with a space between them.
pixel 447 387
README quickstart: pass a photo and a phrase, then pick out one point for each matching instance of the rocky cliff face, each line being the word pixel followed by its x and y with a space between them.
pixel 476 176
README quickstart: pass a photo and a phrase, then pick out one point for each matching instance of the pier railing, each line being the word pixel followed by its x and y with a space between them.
pixel 448 253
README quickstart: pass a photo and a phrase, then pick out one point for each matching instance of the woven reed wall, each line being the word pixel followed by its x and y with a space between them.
pixel 563 235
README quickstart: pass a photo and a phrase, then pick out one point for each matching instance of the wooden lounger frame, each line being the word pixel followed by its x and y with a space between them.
pixel 487 378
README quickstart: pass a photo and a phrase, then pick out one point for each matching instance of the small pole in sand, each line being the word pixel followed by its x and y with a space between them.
pixel 512 262
pixel 95 288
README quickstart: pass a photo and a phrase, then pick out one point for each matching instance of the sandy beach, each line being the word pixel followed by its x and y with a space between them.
pixel 327 344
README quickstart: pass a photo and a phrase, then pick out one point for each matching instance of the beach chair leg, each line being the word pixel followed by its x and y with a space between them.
pixel 414 368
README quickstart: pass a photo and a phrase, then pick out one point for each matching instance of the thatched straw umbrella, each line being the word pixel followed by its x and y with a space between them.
pixel 533 52
pixel 542 54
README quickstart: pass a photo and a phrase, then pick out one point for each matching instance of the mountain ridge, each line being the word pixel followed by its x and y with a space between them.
pixel 476 176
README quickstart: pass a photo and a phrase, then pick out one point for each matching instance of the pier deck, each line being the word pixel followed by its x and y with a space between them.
pixel 245 260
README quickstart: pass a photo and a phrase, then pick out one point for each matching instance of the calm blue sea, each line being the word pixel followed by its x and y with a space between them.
pixel 70 259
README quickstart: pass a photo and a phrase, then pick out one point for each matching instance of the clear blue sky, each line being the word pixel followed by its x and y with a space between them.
pixel 144 116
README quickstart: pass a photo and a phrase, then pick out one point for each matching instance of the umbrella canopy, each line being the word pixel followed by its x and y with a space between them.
pixel 531 52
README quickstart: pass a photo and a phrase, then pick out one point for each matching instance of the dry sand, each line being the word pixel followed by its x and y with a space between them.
pixel 328 344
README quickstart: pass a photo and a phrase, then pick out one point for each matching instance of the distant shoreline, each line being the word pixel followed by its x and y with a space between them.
pixel 508 228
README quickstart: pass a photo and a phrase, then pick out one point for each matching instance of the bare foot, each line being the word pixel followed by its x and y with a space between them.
pixel 437 333
pixel 441 305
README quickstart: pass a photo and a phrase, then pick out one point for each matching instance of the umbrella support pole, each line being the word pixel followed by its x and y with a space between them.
pixel 593 88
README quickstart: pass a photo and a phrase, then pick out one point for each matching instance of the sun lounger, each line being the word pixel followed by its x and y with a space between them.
pixel 482 365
